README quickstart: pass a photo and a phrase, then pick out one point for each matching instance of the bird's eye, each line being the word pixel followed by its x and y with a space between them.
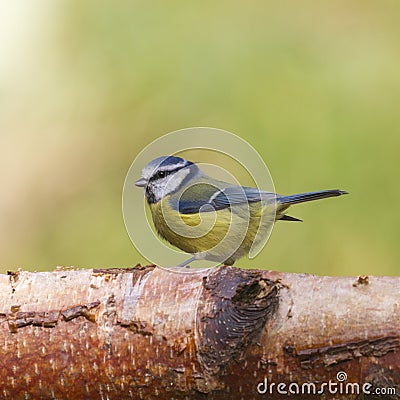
pixel 159 175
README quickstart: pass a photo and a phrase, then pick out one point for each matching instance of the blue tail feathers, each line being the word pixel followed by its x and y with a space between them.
pixel 309 196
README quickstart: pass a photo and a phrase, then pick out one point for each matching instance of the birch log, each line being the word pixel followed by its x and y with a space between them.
pixel 222 333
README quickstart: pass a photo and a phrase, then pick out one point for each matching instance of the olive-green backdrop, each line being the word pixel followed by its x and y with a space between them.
pixel 313 86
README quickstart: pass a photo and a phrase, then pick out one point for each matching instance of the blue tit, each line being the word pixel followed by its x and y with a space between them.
pixel 209 218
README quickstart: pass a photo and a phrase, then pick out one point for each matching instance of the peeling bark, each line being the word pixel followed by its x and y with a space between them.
pixel 145 333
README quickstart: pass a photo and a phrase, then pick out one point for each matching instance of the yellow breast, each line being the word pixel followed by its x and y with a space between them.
pixel 225 234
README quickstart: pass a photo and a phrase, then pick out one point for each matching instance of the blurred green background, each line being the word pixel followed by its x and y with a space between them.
pixel 313 86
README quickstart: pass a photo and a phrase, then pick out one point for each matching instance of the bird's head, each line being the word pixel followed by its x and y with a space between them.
pixel 165 175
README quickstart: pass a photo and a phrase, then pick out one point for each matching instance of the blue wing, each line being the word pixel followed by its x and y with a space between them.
pixel 221 199
pixel 238 195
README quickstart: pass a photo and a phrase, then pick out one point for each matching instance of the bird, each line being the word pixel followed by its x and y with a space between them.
pixel 209 218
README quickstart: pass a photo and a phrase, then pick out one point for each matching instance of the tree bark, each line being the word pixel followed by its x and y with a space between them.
pixel 222 333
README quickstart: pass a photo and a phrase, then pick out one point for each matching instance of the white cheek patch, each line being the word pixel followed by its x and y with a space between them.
pixel 175 180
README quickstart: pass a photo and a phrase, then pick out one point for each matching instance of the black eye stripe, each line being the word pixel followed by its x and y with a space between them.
pixel 163 173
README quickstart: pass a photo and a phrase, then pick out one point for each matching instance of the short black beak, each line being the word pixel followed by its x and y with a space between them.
pixel 141 182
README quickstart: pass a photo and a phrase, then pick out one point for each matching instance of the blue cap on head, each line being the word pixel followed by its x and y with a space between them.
pixel 164 161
